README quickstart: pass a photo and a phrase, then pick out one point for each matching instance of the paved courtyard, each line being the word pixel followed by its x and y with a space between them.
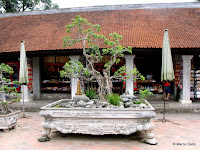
pixel 170 136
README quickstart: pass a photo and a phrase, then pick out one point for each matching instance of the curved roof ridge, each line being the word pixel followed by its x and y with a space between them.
pixel 105 8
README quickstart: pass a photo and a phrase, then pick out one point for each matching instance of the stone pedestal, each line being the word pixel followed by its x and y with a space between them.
pixel 36 78
pixel 186 79
pixel 73 80
pixel 129 66
pixel 97 121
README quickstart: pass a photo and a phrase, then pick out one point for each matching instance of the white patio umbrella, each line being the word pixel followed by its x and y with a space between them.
pixel 167 72
pixel 23 72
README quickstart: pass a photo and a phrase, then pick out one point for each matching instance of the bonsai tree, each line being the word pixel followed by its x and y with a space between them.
pixel 6 89
pixel 85 33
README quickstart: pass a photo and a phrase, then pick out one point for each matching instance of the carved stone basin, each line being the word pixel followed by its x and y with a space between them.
pixel 9 121
pixel 97 121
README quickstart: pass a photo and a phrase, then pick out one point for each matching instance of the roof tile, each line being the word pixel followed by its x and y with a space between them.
pixel 140 28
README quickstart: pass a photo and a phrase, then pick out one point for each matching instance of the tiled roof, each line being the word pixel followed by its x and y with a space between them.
pixel 140 28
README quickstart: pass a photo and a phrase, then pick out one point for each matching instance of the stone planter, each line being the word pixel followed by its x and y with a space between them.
pixel 97 121
pixel 9 121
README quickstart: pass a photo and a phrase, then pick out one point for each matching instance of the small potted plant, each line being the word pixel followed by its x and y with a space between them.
pixel 8 118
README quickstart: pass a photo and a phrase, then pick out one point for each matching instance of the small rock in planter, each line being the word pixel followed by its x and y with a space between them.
pixel 121 106
pixel 128 104
pixel 129 96
pixel 88 106
pixel 72 104
pixel 81 104
pixel 62 105
pixel 125 99
pixel 67 100
pixel 142 106
pixel 66 105
pixel 135 106
pixel 137 100
pixel 99 106
pixel 90 103
pixel 78 98
pixel 95 100
pixel 94 106
pixel 115 107
pixel 76 105
pixel 108 106
pixel 102 104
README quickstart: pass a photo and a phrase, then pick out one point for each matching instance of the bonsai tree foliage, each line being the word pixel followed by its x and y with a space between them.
pixel 6 89
pixel 81 31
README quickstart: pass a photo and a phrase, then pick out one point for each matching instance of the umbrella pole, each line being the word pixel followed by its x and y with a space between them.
pixel 23 102
pixel 164 113
pixel 23 115
pixel 165 120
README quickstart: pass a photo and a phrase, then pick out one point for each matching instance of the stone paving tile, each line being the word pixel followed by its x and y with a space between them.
pixel 169 135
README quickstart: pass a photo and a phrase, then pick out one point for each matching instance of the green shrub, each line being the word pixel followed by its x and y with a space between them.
pixel 114 99
pixel 137 102
pixel 91 93
pixel 144 94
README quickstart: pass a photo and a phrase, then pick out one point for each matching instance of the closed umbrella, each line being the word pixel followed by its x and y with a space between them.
pixel 167 71
pixel 23 72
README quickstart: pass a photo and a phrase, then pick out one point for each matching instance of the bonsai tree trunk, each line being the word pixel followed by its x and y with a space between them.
pixel 105 85
pixel 3 96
